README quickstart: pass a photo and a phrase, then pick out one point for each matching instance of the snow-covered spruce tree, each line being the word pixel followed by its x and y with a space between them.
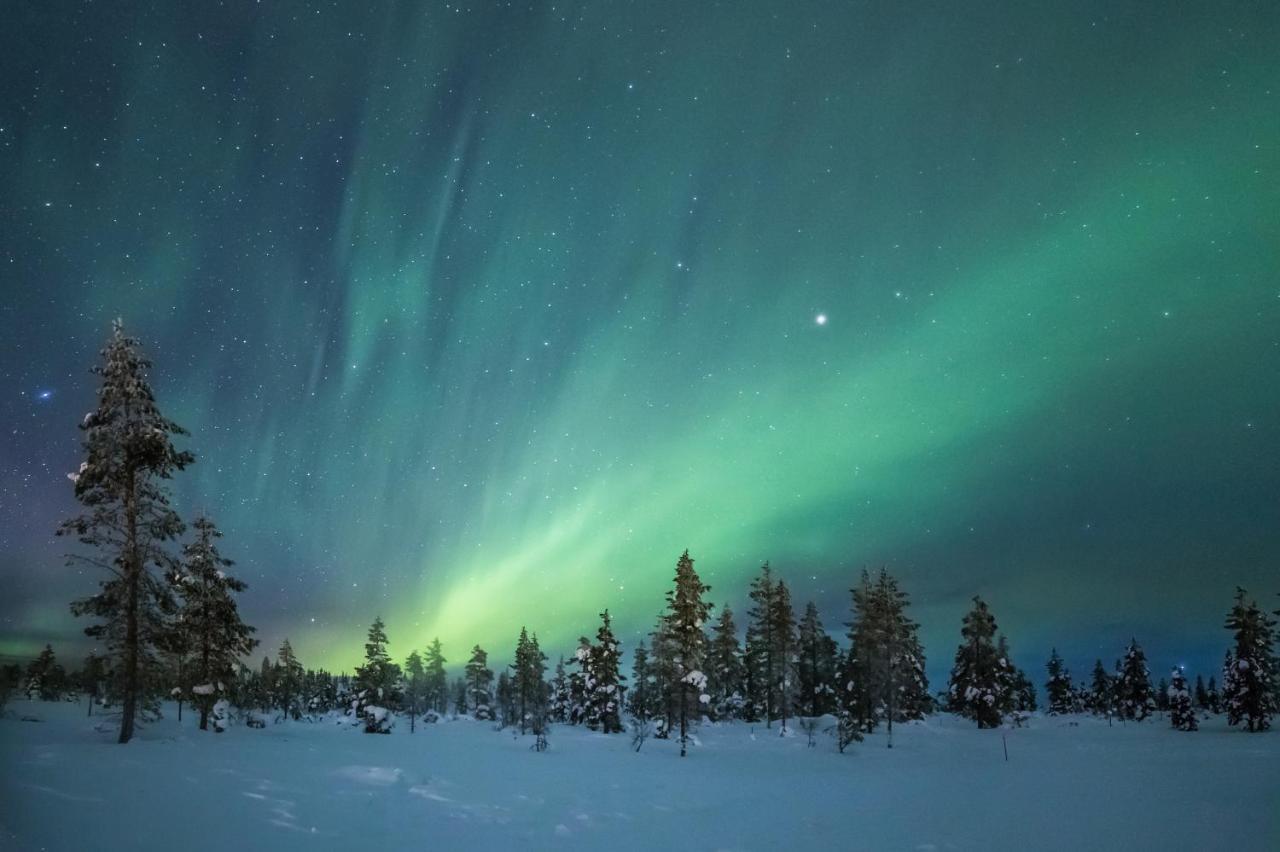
pixel 851 702
pixel 530 692
pixel 214 634
pixel 414 687
pixel 974 690
pixel 1058 687
pixel 479 679
pixel 1024 692
pixel 129 454
pixel 724 668
pixel 603 682
pixel 815 666
pixel 436 682
pixel 896 680
pixel 1182 715
pixel 46 678
pixel 577 682
pixel 375 683
pixel 1249 673
pixel 1102 691
pixel 558 706
pixel 687 612
pixel 761 654
pixel 662 668
pixel 860 680
pixel 288 685
pixel 1215 697
pixel 1134 695
pixel 784 639
pixel 640 703
pixel 458 696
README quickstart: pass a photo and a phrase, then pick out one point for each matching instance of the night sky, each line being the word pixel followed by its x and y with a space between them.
pixel 479 315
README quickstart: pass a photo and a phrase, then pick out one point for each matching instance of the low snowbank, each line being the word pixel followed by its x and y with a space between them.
pixel 1069 783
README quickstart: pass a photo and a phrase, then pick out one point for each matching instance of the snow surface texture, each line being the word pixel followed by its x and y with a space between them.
pixel 462 785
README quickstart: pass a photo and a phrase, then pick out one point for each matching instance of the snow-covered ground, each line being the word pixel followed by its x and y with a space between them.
pixel 1068 784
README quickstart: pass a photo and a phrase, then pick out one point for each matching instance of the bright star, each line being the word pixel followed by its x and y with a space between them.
pixel 820 319
pixel 45 394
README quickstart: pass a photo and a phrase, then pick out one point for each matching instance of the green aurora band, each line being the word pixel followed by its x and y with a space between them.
pixel 478 318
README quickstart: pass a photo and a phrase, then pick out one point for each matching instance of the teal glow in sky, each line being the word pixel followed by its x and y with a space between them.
pixel 480 315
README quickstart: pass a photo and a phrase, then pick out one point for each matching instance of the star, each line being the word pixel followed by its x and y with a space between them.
pixel 820 319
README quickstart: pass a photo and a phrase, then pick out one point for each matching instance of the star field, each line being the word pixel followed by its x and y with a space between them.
pixel 480 314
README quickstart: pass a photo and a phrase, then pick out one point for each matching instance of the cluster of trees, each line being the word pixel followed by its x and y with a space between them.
pixel 168 622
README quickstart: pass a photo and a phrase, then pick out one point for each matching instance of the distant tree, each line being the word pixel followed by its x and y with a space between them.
pixel 214 634
pixel 1102 692
pixel 603 682
pixel 687 612
pixel 414 688
pixel 816 663
pixel 762 648
pixel 1249 674
pixel 46 678
pixel 479 682
pixel 725 669
pixel 1181 713
pixel 459 692
pixel 435 681
pixel 91 678
pixel 1058 687
pixel 1201 695
pixel 288 681
pixel 784 639
pixel 1134 698
pixel 640 703
pixel 505 696
pixel 129 454
pixel 975 688
pixel 375 683
pixel 526 680
pixel 1215 698
pixel 1162 696
pixel 558 710
pixel 1024 693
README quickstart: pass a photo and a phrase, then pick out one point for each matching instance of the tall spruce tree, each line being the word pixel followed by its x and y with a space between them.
pixel 415 687
pixel 46 678
pixel 129 454
pixel 530 694
pixel 784 639
pixel 761 656
pixel 558 711
pixel 289 675
pixel 816 662
pixel 640 703
pixel 1102 691
pixel 662 668
pixel 375 682
pixel 1058 687
pixel 435 680
pixel 725 670
pixel 1134 696
pixel 687 612
pixel 1249 673
pixel 479 679
pixel 975 688
pixel 215 635
pixel 603 682
pixel 1182 715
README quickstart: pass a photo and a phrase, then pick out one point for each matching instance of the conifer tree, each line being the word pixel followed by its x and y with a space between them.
pixel 414 686
pixel 91 678
pixel 815 666
pixel 505 696
pixel 1201 697
pixel 375 682
pixel 1162 696
pixel 435 681
pixel 560 699
pixel 724 668
pixel 288 685
pixel 479 679
pixel 640 704
pixel 1102 692
pixel 662 667
pixel 1215 697
pixel 1134 698
pixel 129 454
pixel 687 612
pixel 1058 687
pixel 784 638
pixel 578 699
pixel 761 647
pixel 975 688
pixel 215 635
pixel 46 678
pixel 459 693
pixel 1181 714
pixel 526 681
pixel 603 682
pixel 1249 673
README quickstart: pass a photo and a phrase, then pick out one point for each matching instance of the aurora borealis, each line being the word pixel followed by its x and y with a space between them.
pixel 480 314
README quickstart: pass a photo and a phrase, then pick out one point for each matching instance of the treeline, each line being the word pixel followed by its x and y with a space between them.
pixel 168 624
